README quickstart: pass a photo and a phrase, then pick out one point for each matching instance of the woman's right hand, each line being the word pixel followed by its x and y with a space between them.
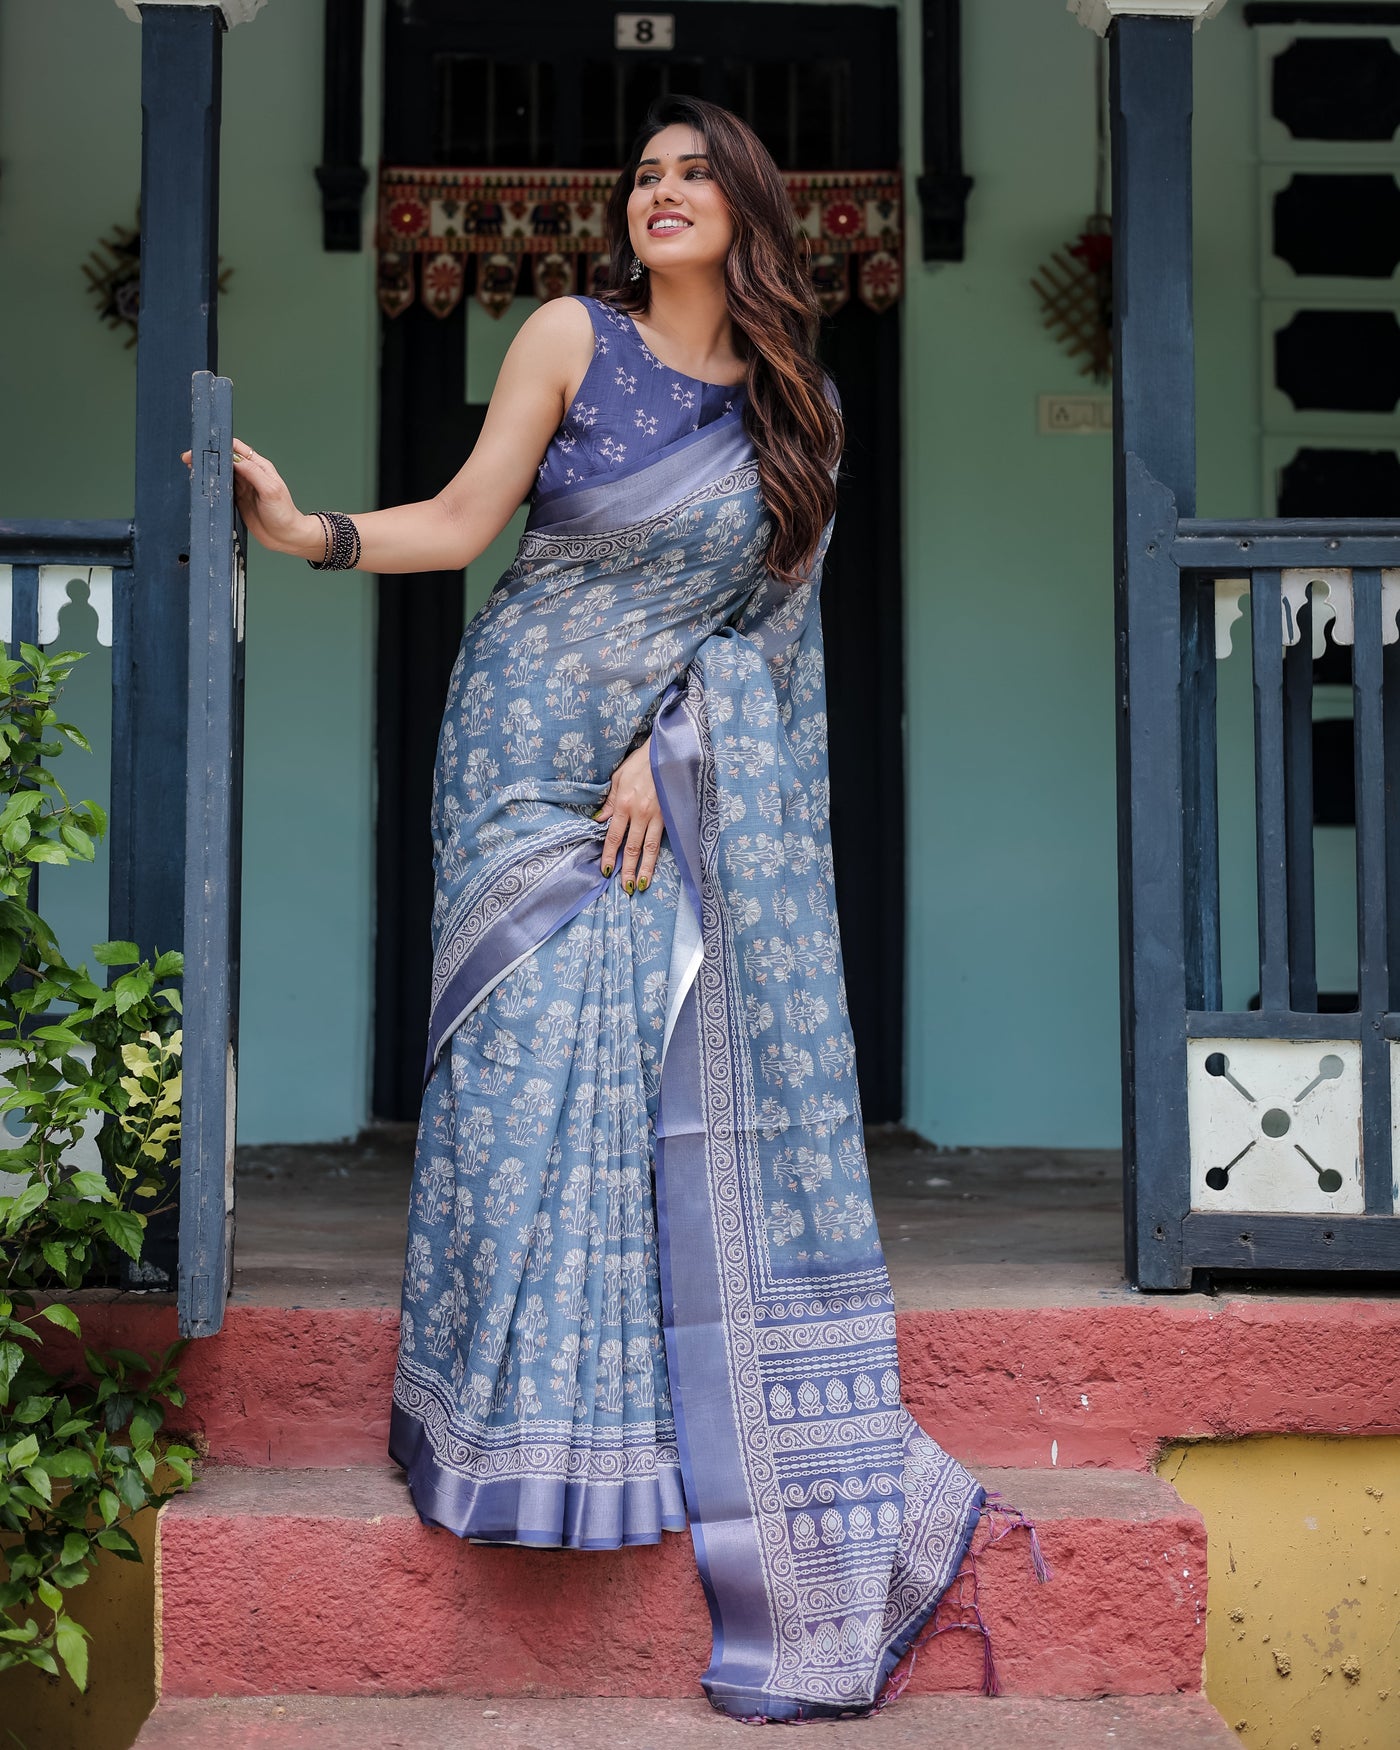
pixel 266 506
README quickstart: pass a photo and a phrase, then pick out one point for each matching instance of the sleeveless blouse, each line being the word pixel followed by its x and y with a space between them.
pixel 628 406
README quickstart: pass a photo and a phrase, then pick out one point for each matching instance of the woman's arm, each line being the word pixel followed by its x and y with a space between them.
pixel 540 375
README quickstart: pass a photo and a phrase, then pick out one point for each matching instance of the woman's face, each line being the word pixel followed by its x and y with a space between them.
pixel 676 215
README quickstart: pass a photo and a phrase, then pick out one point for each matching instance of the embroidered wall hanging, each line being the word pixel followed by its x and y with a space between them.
pixel 113 272
pixel 546 227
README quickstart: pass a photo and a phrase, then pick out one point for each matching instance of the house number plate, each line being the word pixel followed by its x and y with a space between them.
pixel 645 30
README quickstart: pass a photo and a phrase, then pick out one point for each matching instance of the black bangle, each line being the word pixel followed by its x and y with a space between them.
pixel 342 542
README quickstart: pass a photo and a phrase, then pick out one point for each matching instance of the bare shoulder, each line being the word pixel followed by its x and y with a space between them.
pixel 557 342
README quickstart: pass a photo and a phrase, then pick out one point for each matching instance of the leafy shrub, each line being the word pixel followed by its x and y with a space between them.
pixel 80 1457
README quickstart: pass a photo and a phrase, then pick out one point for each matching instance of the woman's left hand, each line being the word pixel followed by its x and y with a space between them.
pixel 633 813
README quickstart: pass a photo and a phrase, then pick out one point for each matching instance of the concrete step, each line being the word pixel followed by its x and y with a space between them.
pixel 309 1722
pixel 325 1581
pixel 1054 1386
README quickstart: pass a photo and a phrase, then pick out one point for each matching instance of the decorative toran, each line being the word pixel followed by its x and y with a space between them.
pixel 555 219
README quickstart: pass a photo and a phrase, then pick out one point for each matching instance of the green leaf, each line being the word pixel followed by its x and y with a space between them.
pixel 120 1541
pixel 45 851
pixel 33 1197
pixel 21 803
pixel 75 1547
pixel 32 1410
pixel 44 1660
pixel 10 946
pixel 108 1506
pixel 23 1452
pixel 77 840
pixel 55 1256
pixel 10 1357
pixel 131 1489
pixel 123 1228
pixel 116 954
pixel 58 1314
pixel 39 1479
pixel 143 1431
pixel 78 739
pixel 71 1462
pixel 171 964
pixel 15 836
pixel 132 988
pixel 87 1185
pixel 50 1595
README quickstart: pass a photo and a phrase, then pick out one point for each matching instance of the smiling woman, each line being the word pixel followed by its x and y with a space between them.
pixel 643 1287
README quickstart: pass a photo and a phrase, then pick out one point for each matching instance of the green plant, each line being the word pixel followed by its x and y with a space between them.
pixel 80 1457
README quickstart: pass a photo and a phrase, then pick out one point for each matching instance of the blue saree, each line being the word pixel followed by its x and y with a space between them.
pixel 644 1286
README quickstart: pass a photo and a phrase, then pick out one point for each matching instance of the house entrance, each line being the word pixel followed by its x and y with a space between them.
pixel 563 88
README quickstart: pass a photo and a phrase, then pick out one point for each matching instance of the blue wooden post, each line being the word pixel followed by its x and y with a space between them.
pixel 181 57
pixel 1154 484
pixel 212 815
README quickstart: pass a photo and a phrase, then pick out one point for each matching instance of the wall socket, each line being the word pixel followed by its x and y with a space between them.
pixel 1080 414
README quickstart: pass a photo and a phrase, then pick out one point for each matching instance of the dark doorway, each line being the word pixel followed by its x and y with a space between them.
pixel 545 87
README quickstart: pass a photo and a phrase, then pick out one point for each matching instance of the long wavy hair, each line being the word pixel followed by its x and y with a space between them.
pixel 792 421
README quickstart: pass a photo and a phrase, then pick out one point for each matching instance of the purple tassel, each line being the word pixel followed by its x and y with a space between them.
pixel 991 1684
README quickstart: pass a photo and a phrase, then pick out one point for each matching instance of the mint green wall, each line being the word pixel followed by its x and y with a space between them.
pixel 298 337
pixel 1012 1005
pixel 1012 1028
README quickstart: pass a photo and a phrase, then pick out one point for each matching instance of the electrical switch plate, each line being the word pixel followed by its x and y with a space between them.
pixel 1080 414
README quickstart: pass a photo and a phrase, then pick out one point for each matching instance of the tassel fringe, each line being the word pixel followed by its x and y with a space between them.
pixel 960 1604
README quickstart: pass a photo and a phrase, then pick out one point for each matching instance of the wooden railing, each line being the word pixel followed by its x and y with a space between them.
pixel 1289 1104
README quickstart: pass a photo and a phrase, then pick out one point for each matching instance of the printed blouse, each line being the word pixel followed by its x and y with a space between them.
pixel 628 406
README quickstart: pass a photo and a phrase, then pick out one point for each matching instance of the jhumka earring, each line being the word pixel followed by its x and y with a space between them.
pixel 636 270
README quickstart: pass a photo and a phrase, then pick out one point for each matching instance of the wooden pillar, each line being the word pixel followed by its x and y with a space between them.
pixel 181 65
pixel 1153 485
pixel 181 52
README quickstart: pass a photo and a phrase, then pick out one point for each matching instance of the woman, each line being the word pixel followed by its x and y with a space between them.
pixel 643 1285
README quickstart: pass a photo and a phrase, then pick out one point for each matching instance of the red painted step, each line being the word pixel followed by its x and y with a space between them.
pixel 952 1722
pixel 1054 1386
pixel 324 1581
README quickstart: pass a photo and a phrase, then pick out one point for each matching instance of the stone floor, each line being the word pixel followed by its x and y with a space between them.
pixel 449 1723
pixel 321 1224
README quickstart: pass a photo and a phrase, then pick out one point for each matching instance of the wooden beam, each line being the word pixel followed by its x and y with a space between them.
pixel 341 175
pixel 181 60
pixel 1154 483
pixel 943 186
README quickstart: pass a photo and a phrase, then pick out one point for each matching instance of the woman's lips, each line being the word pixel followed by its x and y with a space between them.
pixel 668 224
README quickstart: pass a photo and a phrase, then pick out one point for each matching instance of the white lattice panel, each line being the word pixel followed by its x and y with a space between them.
pixel 1275 1125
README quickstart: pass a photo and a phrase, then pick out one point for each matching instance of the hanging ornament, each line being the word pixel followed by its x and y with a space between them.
pixel 113 273
pixel 443 278
pixel 495 282
pixel 1075 286
pixel 553 276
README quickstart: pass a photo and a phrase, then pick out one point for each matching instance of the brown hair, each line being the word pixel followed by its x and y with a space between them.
pixel 790 416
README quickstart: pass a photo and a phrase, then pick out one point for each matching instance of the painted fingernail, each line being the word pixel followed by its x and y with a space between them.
pixel 630 887
pixel 607 868
pixel 641 885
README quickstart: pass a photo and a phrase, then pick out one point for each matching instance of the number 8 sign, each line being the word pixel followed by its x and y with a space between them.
pixel 645 30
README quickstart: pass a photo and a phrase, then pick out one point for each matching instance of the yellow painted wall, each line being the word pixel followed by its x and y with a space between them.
pixel 117 1606
pixel 1303 1604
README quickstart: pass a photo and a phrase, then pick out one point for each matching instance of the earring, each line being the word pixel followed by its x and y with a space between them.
pixel 636 269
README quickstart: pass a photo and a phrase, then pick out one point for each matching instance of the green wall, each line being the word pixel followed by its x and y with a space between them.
pixel 1012 1005
pixel 298 337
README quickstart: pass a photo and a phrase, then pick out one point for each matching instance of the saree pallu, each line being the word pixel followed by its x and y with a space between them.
pixel 582 1041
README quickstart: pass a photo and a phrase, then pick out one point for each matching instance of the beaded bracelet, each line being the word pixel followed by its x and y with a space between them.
pixel 342 542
